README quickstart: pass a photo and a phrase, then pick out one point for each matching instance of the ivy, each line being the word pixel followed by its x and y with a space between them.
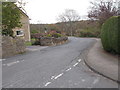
pixel 11 16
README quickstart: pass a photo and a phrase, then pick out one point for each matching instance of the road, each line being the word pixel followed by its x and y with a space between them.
pixel 53 67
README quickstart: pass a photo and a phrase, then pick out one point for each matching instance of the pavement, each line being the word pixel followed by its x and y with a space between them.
pixel 102 62
pixel 35 48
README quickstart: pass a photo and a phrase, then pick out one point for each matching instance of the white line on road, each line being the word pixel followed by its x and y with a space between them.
pixel 79 60
pixel 75 64
pixel 47 84
pixel 17 61
pixel 52 77
pixel 83 63
pixel 68 69
pixel 2 60
pixel 95 81
pixel 12 63
pixel 59 76
pixel 4 64
pixel 83 80
pixel 22 60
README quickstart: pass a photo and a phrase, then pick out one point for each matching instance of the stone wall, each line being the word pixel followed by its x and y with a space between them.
pixel 12 46
pixel 49 41
pixel 0 46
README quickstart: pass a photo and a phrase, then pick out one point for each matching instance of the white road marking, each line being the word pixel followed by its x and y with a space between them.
pixel 59 76
pixel 75 64
pixel 12 63
pixel 22 60
pixel 79 60
pixel 68 69
pixel 83 80
pixel 47 84
pixel 17 61
pixel 83 63
pixel 52 77
pixel 95 81
pixel 4 64
pixel 2 60
pixel 90 70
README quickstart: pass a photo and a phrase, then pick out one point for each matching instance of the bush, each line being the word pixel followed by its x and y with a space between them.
pixel 37 35
pixel 110 35
pixel 90 33
pixel 56 35
pixel 48 35
pixel 28 43
pixel 34 31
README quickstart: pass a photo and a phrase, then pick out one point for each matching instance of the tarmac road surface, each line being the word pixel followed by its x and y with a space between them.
pixel 53 67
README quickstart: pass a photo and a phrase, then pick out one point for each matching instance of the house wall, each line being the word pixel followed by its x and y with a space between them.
pixel 25 27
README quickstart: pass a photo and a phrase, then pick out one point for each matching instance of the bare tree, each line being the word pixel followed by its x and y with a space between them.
pixel 118 7
pixel 68 18
pixel 21 4
pixel 102 10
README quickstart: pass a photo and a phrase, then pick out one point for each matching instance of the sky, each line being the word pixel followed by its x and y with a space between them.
pixel 46 11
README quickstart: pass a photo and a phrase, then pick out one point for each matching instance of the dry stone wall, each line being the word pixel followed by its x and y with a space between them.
pixel 12 46
pixel 50 41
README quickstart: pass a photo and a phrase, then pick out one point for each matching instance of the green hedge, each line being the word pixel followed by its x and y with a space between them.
pixel 110 35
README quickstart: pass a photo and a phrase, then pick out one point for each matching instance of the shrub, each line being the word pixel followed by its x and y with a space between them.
pixel 56 35
pixel 48 35
pixel 37 35
pixel 34 31
pixel 89 33
pixel 28 43
pixel 110 35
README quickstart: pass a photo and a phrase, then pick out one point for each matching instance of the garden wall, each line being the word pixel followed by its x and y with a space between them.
pixel 12 46
pixel 0 52
pixel 49 41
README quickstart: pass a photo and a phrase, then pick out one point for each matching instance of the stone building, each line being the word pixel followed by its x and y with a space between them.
pixel 24 31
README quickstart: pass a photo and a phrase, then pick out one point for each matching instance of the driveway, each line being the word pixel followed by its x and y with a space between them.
pixel 53 67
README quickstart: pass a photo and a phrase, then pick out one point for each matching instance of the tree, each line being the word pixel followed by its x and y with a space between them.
pixel 118 7
pixel 102 10
pixel 68 18
pixel 11 16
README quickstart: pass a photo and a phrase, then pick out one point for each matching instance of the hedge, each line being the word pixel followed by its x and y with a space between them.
pixel 110 35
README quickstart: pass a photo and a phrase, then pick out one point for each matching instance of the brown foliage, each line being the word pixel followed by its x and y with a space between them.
pixel 102 10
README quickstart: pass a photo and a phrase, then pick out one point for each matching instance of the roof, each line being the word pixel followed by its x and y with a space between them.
pixel 22 10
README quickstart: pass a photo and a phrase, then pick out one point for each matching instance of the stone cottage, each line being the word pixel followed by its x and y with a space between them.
pixel 11 46
pixel 24 31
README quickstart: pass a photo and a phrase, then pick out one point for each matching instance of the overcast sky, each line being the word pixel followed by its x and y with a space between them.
pixel 46 11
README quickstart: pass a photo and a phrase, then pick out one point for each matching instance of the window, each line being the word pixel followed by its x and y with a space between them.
pixel 19 33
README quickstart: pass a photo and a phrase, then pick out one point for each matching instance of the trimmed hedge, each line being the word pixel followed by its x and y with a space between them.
pixel 110 35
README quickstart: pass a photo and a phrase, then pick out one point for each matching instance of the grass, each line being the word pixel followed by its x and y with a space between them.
pixel 28 43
